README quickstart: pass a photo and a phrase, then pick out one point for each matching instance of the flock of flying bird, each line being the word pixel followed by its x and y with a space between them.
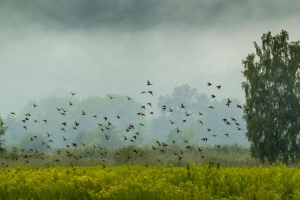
pixel 105 127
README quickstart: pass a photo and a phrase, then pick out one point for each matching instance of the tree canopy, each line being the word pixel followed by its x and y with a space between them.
pixel 272 109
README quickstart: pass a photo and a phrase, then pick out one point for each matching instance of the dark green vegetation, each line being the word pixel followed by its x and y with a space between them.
pixel 158 154
pixel 272 109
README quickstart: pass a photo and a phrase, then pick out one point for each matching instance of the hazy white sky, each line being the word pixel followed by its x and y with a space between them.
pixel 99 47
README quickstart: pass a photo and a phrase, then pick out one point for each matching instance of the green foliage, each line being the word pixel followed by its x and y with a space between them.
pixel 227 155
pixel 272 108
pixel 150 182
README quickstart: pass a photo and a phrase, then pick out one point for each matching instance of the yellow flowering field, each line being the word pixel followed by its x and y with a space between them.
pixel 153 182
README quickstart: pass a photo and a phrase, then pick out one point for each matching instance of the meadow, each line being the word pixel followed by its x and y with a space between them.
pixel 119 173
pixel 150 182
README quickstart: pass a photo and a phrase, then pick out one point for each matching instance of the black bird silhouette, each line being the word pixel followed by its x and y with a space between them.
pixel 148 83
pixel 70 103
pixel 73 93
pixel 182 106
pixel 208 84
pixel 213 96
pixel 83 113
pixel 48 135
pixel 186 114
pixel 150 92
pixel 218 86
pixel 34 105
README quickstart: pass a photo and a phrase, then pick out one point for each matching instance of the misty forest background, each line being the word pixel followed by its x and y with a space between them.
pixel 157 126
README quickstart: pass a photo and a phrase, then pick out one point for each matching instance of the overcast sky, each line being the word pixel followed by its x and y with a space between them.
pixel 97 47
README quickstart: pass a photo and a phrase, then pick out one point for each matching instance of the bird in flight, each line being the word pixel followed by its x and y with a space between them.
pixel 73 93
pixel 150 92
pixel 218 86
pixel 182 106
pixel 148 83
pixel 208 84
pixel 48 135
pixel 34 105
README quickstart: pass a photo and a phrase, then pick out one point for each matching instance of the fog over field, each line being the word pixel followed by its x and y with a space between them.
pixel 94 48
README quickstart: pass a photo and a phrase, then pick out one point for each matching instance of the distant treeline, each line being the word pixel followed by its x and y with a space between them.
pixel 106 121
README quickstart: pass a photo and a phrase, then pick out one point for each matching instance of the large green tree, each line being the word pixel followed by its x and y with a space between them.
pixel 272 109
